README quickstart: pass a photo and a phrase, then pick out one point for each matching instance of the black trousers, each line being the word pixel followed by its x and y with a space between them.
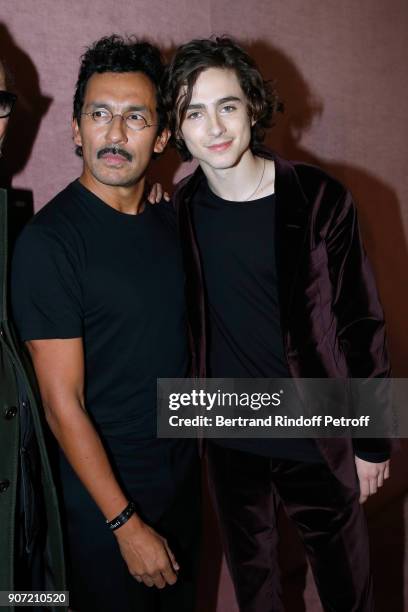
pixel 248 489
pixel 98 578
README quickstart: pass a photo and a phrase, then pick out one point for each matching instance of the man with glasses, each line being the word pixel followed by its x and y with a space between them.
pixel 98 297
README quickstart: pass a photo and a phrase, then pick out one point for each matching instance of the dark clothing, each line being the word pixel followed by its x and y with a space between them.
pixel 84 269
pixel 238 258
pixel 31 552
pixel 244 331
pixel 330 521
pixel 81 268
pixel 99 578
pixel 327 332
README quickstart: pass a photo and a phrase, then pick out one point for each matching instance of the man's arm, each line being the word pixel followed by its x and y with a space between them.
pixel 59 366
pixel 361 328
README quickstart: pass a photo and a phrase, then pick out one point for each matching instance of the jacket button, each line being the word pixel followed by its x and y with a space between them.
pixel 10 413
pixel 4 485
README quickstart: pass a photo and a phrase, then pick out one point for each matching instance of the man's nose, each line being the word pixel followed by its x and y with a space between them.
pixel 117 131
pixel 216 126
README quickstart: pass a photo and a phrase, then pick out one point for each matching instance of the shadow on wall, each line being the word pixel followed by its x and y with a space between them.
pixel 382 228
pixel 31 107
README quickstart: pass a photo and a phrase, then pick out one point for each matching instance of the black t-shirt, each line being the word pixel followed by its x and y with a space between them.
pixel 83 269
pixel 245 339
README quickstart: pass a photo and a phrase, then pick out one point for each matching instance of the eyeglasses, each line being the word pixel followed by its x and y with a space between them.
pixel 7 100
pixel 133 120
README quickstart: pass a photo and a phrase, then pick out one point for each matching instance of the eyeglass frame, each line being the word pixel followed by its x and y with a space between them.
pixel 12 100
pixel 121 115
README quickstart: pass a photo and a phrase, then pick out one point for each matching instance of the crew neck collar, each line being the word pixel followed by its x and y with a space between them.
pixel 209 193
pixel 107 209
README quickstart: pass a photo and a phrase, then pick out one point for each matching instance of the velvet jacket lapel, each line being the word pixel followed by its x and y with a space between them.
pixel 291 224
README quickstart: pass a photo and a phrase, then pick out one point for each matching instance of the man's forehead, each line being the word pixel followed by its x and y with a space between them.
pixel 132 87
pixel 217 84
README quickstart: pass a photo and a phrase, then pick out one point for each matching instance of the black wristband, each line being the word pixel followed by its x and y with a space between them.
pixel 122 518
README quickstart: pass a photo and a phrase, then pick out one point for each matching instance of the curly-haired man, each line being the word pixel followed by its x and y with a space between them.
pixel 98 298
pixel 273 257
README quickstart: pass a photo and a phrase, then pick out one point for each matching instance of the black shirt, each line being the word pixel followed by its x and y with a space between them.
pixel 83 269
pixel 245 339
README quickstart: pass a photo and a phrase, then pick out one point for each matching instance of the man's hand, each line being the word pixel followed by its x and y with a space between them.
pixel 371 476
pixel 147 554
pixel 157 193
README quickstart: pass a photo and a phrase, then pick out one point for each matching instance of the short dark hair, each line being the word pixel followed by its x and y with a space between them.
pixel 191 59
pixel 118 54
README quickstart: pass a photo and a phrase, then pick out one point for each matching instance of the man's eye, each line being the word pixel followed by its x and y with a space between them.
pixel 194 115
pixel 229 108
pixel 135 117
pixel 101 113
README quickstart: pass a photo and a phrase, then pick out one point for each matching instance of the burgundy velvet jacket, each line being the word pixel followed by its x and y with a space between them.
pixel 331 317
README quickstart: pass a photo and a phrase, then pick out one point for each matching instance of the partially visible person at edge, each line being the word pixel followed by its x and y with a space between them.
pixel 31 549
pixel 98 298
pixel 279 286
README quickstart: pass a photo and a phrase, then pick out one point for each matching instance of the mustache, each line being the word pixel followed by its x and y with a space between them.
pixel 115 151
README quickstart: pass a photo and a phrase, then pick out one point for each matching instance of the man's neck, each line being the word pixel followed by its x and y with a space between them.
pixel 128 200
pixel 242 182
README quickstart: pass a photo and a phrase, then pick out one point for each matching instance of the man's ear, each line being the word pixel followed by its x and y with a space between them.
pixel 76 134
pixel 162 140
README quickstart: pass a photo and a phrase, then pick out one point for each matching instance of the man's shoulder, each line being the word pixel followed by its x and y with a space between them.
pixel 54 224
pixel 309 174
pixel 312 179
pixel 58 209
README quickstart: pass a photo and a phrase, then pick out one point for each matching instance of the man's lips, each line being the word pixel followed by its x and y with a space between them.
pixel 222 146
pixel 114 156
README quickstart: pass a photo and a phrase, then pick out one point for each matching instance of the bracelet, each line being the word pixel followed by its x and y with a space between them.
pixel 122 518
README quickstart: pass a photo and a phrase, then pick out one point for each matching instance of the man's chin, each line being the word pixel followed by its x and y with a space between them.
pixel 121 183
pixel 224 162
pixel 116 180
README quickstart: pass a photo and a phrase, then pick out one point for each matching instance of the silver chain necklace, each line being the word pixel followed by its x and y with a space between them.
pixel 259 184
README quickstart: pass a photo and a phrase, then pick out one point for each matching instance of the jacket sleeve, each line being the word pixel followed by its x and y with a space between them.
pixel 360 318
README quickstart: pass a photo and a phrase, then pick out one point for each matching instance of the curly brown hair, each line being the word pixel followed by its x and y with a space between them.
pixel 198 55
